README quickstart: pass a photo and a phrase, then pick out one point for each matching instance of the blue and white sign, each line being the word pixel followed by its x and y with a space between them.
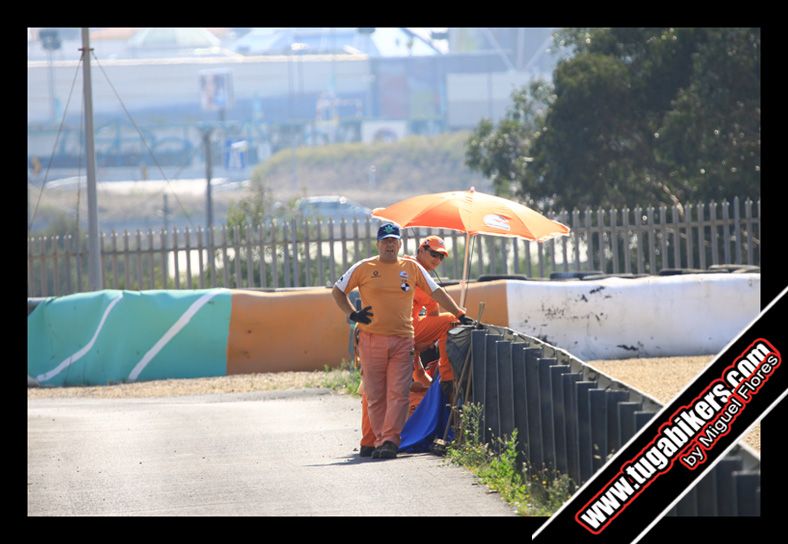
pixel 235 154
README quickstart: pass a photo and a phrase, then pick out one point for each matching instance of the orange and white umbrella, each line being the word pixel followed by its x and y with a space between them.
pixel 473 213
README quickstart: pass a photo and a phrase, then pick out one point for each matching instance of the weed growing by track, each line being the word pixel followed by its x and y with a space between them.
pixel 500 467
pixel 345 378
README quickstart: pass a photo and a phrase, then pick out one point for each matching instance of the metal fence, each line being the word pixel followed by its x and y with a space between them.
pixel 571 419
pixel 302 252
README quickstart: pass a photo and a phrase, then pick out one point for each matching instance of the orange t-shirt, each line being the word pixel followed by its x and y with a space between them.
pixel 422 300
pixel 389 288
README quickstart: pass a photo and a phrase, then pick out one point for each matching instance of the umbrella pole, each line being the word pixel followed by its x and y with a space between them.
pixel 464 282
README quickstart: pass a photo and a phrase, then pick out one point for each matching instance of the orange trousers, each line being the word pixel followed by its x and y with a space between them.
pixel 386 367
pixel 427 330
pixel 414 398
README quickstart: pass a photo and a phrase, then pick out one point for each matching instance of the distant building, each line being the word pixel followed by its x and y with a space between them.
pixel 295 87
pixel 524 49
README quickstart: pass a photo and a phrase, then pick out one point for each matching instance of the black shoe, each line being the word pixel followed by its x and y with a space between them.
pixel 387 450
pixel 366 451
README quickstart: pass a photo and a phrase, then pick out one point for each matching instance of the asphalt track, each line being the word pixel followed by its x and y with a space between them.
pixel 252 454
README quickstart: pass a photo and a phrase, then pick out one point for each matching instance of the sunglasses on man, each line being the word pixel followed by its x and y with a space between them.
pixel 435 254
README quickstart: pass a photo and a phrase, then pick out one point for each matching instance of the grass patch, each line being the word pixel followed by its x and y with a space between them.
pixel 345 378
pixel 499 467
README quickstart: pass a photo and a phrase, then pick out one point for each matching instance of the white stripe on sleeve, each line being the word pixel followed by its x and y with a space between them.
pixel 344 279
pixel 430 282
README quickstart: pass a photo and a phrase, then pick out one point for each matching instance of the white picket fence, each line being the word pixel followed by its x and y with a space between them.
pixel 301 252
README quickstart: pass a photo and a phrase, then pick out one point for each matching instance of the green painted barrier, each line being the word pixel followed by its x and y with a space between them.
pixel 114 336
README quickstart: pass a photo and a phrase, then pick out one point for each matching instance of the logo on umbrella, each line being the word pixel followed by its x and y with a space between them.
pixel 496 222
pixel 473 213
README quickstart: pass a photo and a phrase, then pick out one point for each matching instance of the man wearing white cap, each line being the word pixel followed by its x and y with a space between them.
pixel 386 284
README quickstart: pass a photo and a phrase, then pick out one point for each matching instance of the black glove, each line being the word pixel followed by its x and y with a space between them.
pixel 362 316
pixel 465 320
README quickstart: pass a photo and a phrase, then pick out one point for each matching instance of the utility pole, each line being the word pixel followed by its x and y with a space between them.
pixel 94 245
pixel 206 138
pixel 166 213
pixel 164 264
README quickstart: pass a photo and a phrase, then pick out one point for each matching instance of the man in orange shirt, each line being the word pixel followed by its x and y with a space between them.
pixel 435 324
pixel 386 284
pixel 427 329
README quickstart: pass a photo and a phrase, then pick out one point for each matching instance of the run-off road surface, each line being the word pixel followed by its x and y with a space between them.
pixel 239 445
pixel 251 454
pixel 663 378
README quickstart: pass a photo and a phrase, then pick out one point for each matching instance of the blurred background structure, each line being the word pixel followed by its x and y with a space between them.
pixel 232 141
pixel 268 89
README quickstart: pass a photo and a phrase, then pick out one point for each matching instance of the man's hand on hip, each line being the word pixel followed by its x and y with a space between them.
pixel 362 316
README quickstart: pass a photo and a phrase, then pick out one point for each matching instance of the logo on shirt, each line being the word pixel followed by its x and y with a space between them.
pixel 403 275
pixel 375 274
pixel 405 287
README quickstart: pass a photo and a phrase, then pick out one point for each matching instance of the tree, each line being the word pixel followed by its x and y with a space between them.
pixel 636 116
pixel 501 153
pixel 709 143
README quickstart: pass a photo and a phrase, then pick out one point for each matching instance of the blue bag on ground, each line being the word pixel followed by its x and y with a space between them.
pixel 427 422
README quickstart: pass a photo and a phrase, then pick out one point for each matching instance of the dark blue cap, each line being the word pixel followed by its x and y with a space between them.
pixel 389 230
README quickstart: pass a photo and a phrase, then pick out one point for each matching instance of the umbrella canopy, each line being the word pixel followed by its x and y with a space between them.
pixel 473 213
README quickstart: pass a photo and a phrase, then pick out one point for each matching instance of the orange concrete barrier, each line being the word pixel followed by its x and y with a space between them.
pixel 304 329
pixel 286 330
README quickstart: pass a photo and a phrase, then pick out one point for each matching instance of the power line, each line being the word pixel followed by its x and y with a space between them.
pixel 54 148
pixel 175 175
pixel 142 138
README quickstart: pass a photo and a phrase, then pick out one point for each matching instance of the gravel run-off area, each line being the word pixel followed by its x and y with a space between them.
pixel 662 378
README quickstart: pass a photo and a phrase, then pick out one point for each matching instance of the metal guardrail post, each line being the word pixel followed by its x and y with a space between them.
pixel 559 420
pixel 570 415
pixel 748 493
pixel 584 429
pixel 642 418
pixel 707 494
pixel 519 388
pixel 506 389
pixel 626 420
pixel 492 422
pixel 726 486
pixel 598 406
pixel 613 436
pixel 546 411
pixel 478 347
pixel 532 356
